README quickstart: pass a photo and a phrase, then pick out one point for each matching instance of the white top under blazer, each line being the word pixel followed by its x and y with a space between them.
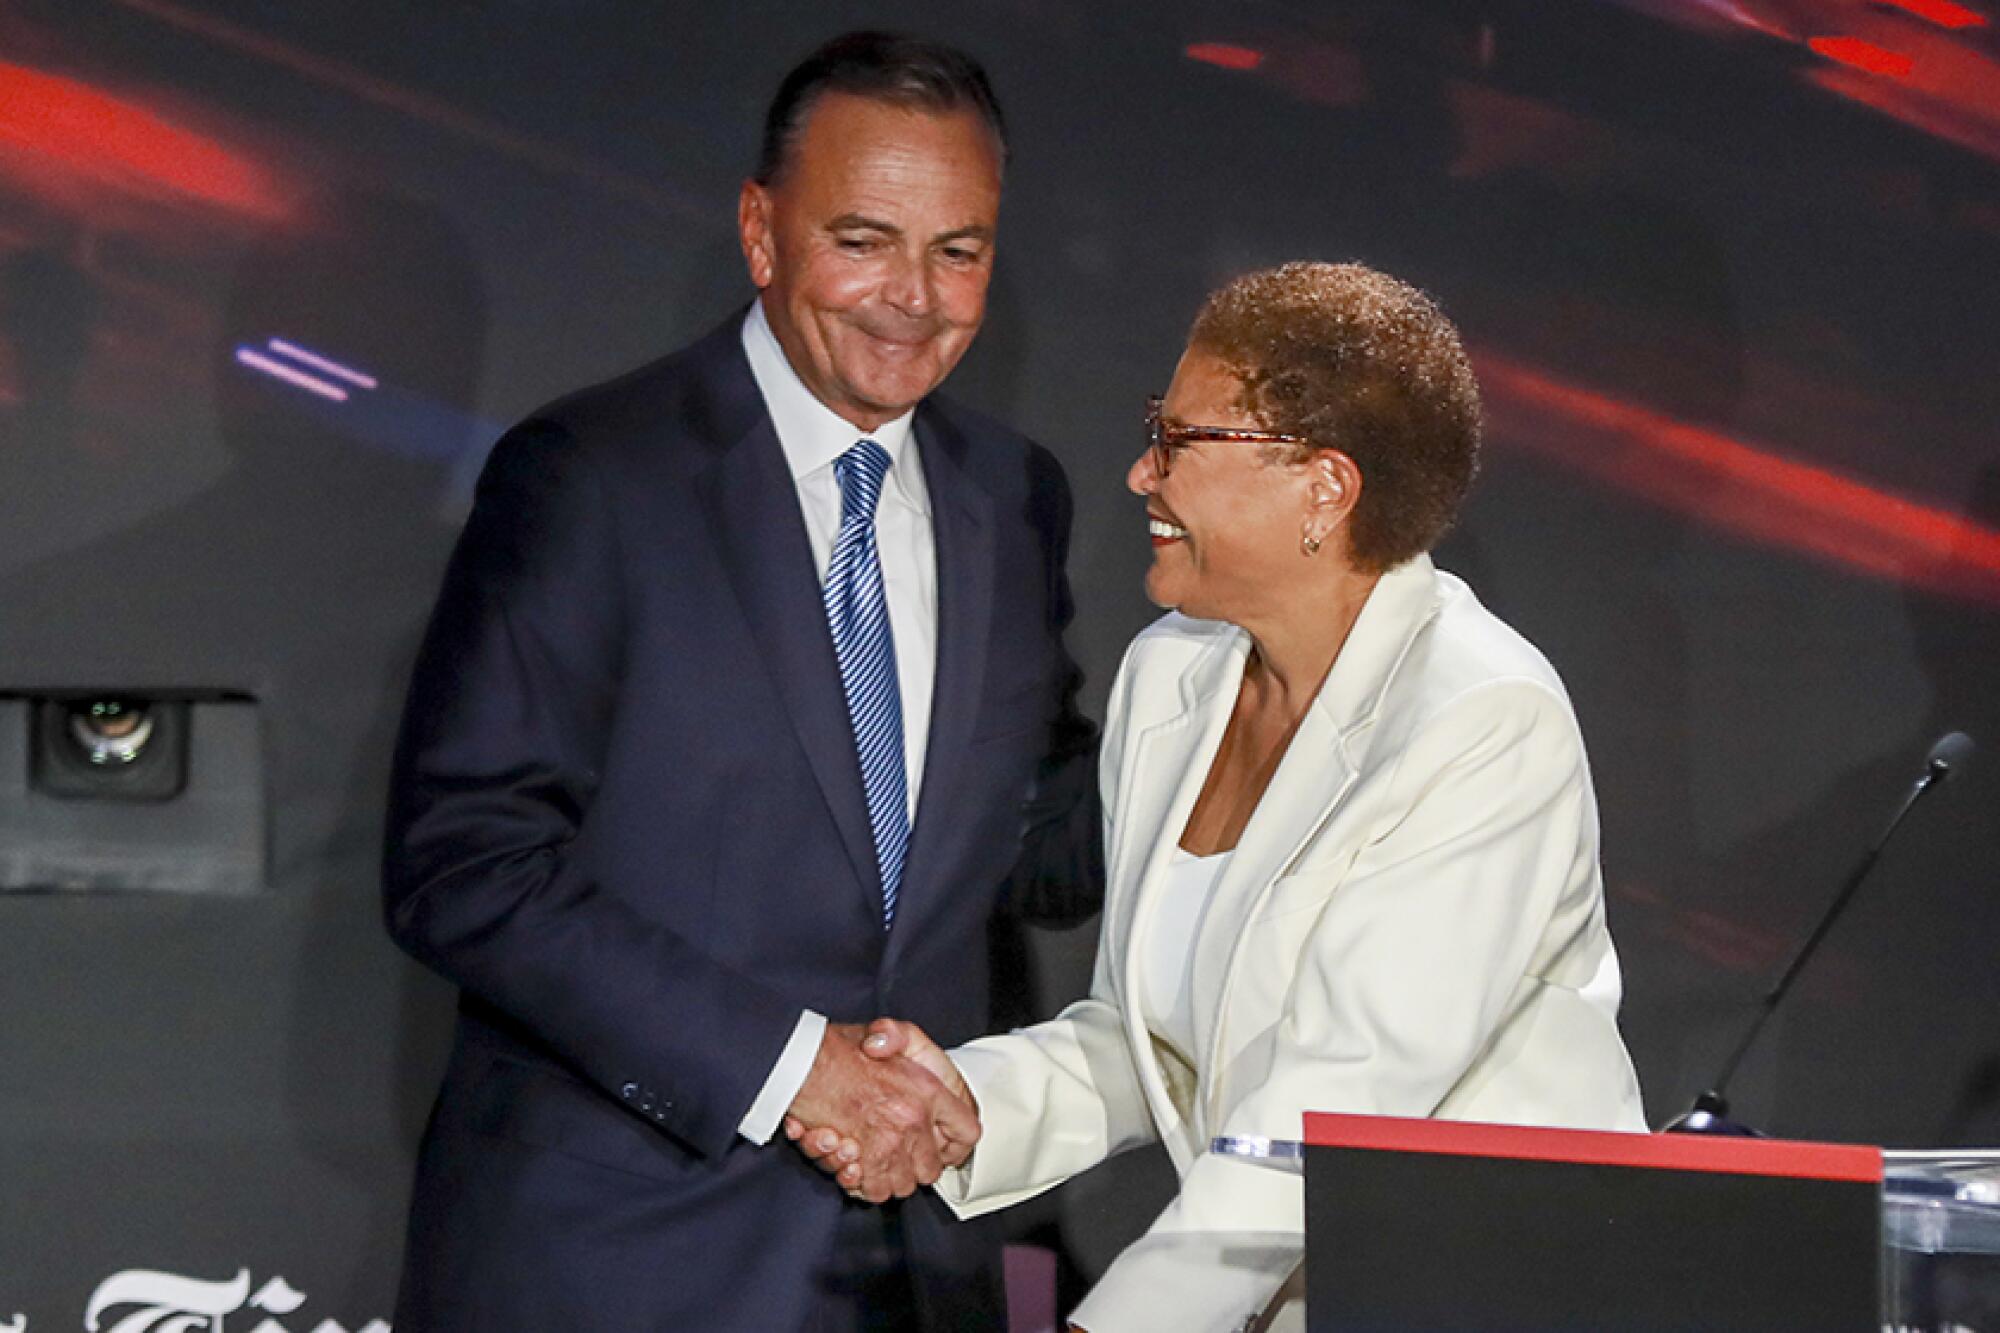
pixel 1169 1000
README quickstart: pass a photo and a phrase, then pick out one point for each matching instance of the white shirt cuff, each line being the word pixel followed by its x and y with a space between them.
pixel 787 1077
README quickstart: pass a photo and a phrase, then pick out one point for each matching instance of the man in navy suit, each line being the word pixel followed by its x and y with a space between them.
pixel 669 845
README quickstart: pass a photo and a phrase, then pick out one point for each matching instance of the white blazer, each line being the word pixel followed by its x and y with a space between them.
pixel 1412 924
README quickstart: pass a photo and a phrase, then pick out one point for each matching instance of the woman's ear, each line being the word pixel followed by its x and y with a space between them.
pixel 1335 485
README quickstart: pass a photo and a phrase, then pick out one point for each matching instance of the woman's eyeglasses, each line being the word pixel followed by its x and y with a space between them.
pixel 1164 438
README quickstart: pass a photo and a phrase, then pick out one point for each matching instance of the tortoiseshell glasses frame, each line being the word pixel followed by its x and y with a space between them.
pixel 1164 438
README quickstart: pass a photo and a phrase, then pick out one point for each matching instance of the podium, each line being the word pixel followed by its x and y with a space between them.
pixel 1941 1240
pixel 1432 1225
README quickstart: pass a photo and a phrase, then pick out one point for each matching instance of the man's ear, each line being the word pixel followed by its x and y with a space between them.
pixel 754 230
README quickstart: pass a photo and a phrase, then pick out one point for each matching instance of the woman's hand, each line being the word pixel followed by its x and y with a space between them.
pixel 890 1037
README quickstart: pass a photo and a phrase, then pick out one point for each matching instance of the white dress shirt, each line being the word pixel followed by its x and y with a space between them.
pixel 814 436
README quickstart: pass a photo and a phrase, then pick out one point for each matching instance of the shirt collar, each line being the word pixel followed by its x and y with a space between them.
pixel 812 434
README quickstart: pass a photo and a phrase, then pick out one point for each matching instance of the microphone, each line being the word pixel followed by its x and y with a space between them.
pixel 1950 752
pixel 1710 1112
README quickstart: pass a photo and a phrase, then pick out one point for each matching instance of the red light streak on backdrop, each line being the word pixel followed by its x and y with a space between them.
pixel 1925 63
pixel 1738 485
pixel 1863 55
pixel 60 125
pixel 1224 55
pixel 1941 12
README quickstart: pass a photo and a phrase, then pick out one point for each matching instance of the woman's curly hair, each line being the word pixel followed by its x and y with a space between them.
pixel 1354 360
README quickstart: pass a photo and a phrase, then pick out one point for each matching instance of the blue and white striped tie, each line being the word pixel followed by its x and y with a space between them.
pixel 858 613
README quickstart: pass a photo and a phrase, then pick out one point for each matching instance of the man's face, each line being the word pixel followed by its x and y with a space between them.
pixel 873 250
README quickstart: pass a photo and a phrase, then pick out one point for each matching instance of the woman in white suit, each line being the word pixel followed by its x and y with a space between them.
pixel 1350 833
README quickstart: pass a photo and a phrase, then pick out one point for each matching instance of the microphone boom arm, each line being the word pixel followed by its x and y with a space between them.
pixel 1710 1113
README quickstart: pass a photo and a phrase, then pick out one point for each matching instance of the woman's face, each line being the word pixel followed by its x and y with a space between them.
pixel 1225 524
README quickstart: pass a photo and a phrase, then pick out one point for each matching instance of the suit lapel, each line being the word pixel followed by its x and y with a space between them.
pixel 1169 762
pixel 753 511
pixel 1313 779
pixel 962 533
pixel 1179 748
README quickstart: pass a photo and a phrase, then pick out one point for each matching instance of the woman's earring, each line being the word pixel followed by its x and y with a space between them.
pixel 1310 545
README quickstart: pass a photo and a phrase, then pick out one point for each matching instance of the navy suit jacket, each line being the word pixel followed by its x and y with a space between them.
pixel 627 821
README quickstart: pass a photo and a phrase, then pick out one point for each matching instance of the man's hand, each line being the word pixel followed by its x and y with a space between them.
pixel 889 1040
pixel 892 1124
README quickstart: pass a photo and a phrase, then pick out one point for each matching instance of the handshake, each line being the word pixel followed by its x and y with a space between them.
pixel 883 1111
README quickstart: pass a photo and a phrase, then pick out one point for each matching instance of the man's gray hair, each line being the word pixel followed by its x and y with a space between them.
pixel 910 72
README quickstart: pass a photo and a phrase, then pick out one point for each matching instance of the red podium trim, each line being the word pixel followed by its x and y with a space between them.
pixel 1669 1152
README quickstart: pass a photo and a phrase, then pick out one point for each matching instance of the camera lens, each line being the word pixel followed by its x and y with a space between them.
pixel 109 732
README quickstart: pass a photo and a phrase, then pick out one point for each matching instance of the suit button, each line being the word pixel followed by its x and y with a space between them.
pixel 629 1091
